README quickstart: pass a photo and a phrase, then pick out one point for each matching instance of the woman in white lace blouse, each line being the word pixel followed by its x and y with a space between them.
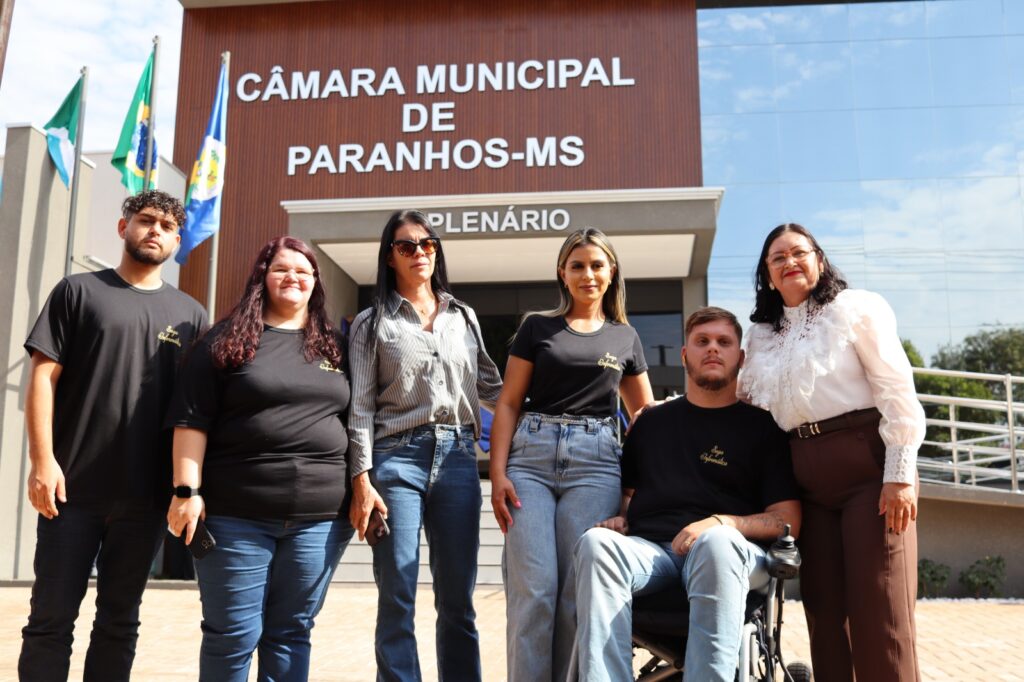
pixel 827 362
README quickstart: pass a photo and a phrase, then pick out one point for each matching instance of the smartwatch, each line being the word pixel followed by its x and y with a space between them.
pixel 185 492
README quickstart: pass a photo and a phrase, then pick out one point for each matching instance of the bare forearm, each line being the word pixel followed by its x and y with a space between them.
pixel 189 453
pixel 768 524
pixel 505 418
pixel 39 414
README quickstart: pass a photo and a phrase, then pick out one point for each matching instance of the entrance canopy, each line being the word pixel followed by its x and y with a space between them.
pixel 658 233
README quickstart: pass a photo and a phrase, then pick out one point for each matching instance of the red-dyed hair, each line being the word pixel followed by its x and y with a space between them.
pixel 239 336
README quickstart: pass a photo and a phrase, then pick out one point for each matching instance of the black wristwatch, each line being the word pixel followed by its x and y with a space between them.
pixel 185 492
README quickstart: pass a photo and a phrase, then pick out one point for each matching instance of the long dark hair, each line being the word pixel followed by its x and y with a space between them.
pixel 768 303
pixel 386 282
pixel 238 336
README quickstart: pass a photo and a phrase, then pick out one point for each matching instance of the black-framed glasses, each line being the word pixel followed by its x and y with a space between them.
pixel 407 247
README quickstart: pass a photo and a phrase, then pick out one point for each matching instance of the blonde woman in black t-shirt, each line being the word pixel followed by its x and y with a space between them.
pixel 554 456
pixel 260 435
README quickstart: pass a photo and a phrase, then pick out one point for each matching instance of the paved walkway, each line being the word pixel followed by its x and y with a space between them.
pixel 958 640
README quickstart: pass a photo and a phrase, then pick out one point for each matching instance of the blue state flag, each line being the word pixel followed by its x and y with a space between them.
pixel 206 182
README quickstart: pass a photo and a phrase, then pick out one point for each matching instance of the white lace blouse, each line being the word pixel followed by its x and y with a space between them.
pixel 832 359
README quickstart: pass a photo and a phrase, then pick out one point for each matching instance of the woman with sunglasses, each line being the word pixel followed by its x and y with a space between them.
pixel 419 374
pixel 827 362
pixel 259 430
pixel 556 473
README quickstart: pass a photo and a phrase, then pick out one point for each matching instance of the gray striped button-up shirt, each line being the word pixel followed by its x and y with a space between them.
pixel 411 377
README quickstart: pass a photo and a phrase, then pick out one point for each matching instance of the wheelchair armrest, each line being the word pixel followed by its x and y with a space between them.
pixel 784 557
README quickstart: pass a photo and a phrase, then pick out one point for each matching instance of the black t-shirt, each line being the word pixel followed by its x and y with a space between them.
pixel 119 348
pixel 276 438
pixel 573 372
pixel 687 463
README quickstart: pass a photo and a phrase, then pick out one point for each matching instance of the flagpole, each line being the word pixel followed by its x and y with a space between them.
pixel 147 168
pixel 75 174
pixel 211 291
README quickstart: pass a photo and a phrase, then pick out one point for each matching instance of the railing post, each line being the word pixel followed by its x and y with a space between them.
pixel 952 442
pixel 1011 431
pixel 970 459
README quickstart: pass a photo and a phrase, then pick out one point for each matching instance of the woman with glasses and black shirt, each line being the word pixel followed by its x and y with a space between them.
pixel 419 374
pixel 259 430
pixel 827 362
pixel 554 454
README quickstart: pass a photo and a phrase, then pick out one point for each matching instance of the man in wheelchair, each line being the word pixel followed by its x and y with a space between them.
pixel 707 485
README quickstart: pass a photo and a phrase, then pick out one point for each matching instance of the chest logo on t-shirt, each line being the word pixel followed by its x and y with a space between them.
pixel 609 361
pixel 326 366
pixel 714 456
pixel 170 336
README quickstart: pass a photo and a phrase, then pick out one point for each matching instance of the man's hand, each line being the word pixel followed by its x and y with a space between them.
pixel 183 514
pixel 502 493
pixel 364 499
pixel 46 482
pixel 898 502
pixel 683 541
pixel 615 523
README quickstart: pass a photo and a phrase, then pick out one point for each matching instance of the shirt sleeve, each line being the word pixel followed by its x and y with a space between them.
pixel 488 378
pixel 891 379
pixel 363 407
pixel 53 332
pixel 522 345
pixel 638 364
pixel 196 401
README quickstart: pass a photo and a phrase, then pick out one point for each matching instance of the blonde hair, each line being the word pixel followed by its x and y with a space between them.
pixel 614 301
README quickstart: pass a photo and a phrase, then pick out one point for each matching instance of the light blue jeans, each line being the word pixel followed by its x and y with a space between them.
pixel 428 478
pixel 717 572
pixel 566 474
pixel 262 587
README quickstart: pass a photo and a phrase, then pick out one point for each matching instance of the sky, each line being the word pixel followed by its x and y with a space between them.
pixel 51 40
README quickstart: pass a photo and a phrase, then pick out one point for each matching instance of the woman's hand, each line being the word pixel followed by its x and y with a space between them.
pixel 183 514
pixel 503 492
pixel 364 499
pixel 898 503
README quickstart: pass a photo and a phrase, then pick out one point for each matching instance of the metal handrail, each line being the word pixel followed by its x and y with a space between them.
pixel 996 464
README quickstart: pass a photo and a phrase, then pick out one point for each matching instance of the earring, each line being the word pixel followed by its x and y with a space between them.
pixel 771 286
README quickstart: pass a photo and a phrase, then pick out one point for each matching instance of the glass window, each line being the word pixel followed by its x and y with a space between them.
pixel 1015 55
pixel 971 141
pixel 740 148
pixel 902 217
pixel 810 23
pixel 970 71
pixel 812 76
pixel 891 73
pixel 981 215
pixel 736 79
pixel 964 17
pixel 833 211
pixel 734 27
pixel 661 335
pixel 871 21
pixel 748 213
pixel 895 143
pixel 817 145
pixel 1013 18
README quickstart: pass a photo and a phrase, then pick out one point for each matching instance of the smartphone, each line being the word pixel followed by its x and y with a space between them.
pixel 377 529
pixel 202 541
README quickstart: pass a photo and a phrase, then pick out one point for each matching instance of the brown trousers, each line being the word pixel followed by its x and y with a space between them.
pixel 858 581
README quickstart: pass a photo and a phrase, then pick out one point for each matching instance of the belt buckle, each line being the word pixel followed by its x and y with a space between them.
pixel 805 431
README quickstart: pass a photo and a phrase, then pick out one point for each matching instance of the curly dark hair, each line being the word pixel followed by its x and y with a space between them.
pixel 154 198
pixel 768 303
pixel 238 336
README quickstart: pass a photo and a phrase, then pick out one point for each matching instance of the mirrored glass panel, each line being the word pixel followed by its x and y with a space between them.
pixel 817 145
pixel 971 141
pixel 811 23
pixel 735 27
pixel 736 79
pixel 964 17
pixel 891 73
pixel 872 21
pixel 895 143
pixel 968 71
pixel 811 76
pixel 740 148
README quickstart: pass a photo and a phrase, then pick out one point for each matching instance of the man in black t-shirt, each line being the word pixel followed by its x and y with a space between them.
pixel 707 480
pixel 105 350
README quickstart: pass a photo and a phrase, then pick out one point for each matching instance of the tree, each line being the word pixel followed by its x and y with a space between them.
pixel 998 351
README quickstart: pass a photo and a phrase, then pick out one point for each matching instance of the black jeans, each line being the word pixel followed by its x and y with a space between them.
pixel 122 538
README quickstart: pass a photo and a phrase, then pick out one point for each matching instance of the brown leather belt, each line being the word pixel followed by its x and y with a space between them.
pixel 844 421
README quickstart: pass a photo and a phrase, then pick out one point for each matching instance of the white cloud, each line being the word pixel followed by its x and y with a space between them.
pixel 49 43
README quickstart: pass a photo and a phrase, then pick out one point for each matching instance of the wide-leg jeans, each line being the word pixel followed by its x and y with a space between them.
pixel 567 475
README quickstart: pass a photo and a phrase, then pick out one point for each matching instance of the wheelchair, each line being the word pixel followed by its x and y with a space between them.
pixel 661 621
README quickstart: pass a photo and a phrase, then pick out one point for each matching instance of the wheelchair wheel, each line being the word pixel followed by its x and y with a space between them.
pixel 800 671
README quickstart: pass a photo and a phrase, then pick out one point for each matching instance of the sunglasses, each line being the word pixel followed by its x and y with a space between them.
pixel 407 247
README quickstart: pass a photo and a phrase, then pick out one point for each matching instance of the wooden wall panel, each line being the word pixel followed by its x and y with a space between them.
pixel 647 135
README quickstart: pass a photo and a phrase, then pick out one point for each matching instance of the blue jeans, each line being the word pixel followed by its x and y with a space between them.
pixel 262 587
pixel 717 572
pixel 121 538
pixel 428 478
pixel 566 474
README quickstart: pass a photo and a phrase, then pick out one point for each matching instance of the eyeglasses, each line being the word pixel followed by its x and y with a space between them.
pixel 407 247
pixel 780 259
